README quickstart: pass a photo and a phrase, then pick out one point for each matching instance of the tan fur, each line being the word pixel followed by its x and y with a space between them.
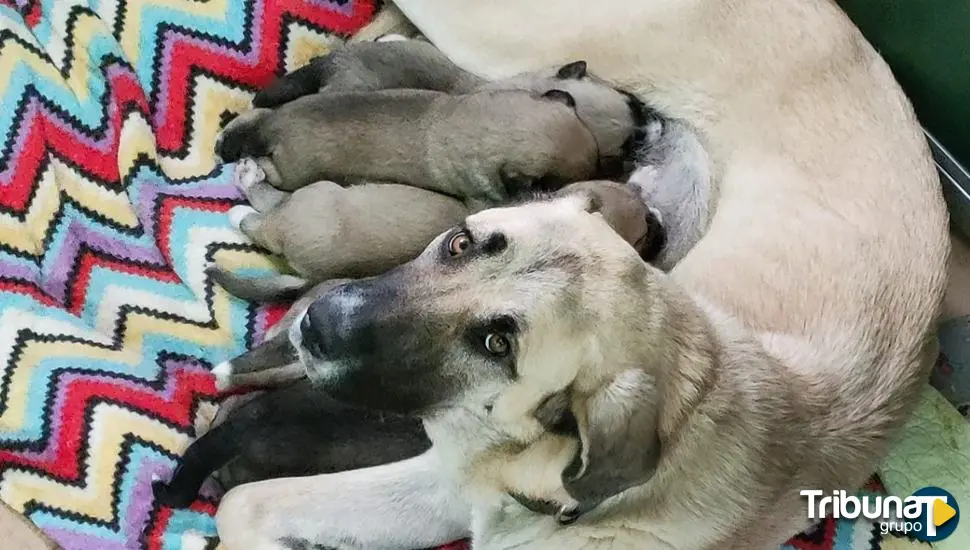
pixel 782 353
pixel 326 231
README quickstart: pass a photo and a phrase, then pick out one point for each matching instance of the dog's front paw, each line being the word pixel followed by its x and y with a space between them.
pixel 242 137
pixel 393 37
pixel 248 173
pixel 238 215
pixel 169 496
pixel 223 375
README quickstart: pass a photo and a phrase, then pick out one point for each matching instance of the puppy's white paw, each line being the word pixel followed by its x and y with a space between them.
pixel 248 174
pixel 393 37
pixel 656 213
pixel 239 213
pixel 223 374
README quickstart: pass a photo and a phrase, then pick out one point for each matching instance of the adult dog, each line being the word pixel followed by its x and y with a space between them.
pixel 782 353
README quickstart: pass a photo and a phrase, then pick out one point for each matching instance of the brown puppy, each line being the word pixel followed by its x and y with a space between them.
pixel 326 231
pixel 368 229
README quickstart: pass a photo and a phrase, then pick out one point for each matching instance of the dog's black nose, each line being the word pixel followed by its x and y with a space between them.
pixel 347 320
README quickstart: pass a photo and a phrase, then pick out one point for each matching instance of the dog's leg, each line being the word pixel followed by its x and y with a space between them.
pixel 275 352
pixel 249 222
pixel 259 289
pixel 399 506
pixel 242 138
pixel 253 179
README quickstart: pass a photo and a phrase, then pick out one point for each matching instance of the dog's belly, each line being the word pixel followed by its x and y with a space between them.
pixel 506 525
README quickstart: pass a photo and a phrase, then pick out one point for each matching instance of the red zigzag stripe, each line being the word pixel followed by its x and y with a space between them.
pixel 72 430
pixel 45 131
pixel 188 54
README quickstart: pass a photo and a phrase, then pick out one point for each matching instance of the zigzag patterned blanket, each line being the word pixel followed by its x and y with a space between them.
pixel 110 206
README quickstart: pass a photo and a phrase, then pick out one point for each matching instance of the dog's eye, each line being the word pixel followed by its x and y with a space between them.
pixel 497 345
pixel 459 243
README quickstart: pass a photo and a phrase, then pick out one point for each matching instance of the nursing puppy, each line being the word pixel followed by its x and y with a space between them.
pixel 371 66
pixel 292 431
pixel 781 353
pixel 327 231
pixel 413 64
pixel 371 228
pixel 484 147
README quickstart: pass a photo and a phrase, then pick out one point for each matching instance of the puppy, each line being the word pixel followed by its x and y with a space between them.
pixel 371 228
pixel 414 64
pixel 371 66
pixel 293 431
pixel 674 177
pixel 484 147
pixel 326 231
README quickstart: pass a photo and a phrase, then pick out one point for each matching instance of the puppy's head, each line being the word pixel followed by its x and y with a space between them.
pixel 622 208
pixel 530 319
pixel 615 118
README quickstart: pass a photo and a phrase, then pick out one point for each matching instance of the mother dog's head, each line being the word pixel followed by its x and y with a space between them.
pixel 535 317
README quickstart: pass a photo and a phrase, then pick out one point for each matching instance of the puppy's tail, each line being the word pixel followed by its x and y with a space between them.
pixel 204 456
pixel 260 289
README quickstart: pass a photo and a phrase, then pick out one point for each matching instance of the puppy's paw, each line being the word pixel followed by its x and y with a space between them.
pixel 393 37
pixel 242 138
pixel 238 214
pixel 169 496
pixel 248 173
pixel 223 375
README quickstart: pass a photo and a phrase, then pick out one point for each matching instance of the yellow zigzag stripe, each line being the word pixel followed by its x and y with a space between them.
pixel 28 235
pixel 110 424
pixel 211 99
pixel 86 28
pixel 137 327
pixel 13 54
pixel 305 44
pixel 132 28
pixel 113 205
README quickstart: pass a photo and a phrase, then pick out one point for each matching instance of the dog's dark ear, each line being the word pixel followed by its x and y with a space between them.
pixel 561 96
pixel 572 71
pixel 652 243
pixel 619 445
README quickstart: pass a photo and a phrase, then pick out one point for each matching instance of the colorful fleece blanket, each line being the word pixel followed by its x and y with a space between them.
pixel 110 207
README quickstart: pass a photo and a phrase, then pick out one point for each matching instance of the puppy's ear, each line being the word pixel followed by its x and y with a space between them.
pixel 561 96
pixel 572 71
pixel 619 445
pixel 593 204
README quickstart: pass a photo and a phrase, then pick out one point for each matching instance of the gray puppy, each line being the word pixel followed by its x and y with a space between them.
pixel 608 111
pixel 371 66
pixel 483 147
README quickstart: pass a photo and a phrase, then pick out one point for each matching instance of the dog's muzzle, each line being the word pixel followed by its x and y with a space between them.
pixel 340 322
pixel 347 322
